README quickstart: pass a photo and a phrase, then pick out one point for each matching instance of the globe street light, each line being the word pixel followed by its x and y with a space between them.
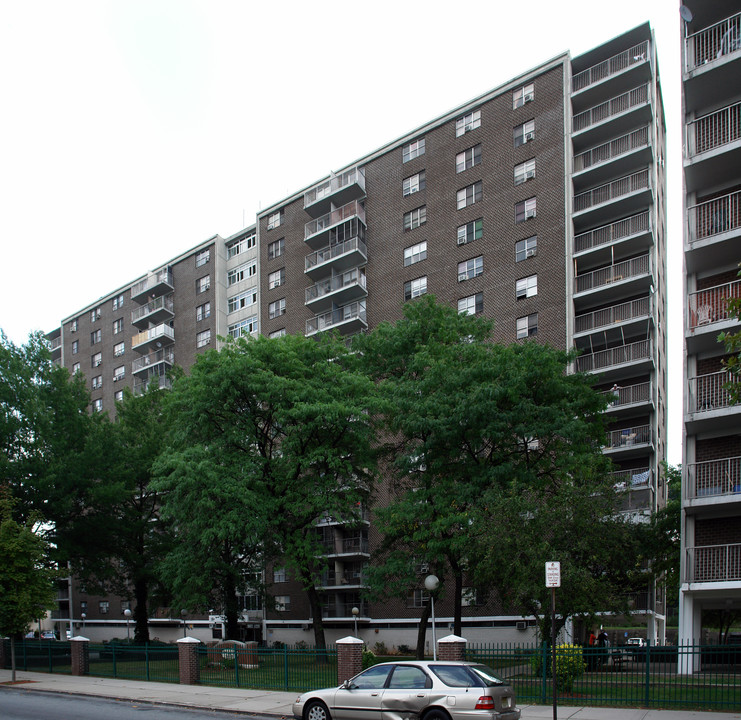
pixel 355 613
pixel 432 583
pixel 127 613
pixel 84 617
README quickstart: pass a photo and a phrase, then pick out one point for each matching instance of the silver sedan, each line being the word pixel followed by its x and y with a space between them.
pixel 412 690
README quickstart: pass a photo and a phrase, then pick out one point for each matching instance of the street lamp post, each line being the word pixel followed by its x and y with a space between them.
pixel 432 583
pixel 183 614
pixel 355 613
pixel 127 614
pixel 84 617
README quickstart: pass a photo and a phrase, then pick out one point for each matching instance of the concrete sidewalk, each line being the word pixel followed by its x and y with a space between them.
pixel 278 704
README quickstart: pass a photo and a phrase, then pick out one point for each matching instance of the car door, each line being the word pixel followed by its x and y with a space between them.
pixel 406 694
pixel 361 700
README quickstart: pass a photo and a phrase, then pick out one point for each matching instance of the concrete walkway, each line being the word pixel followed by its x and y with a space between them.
pixel 278 704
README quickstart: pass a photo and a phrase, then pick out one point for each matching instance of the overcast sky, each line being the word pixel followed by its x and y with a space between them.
pixel 135 129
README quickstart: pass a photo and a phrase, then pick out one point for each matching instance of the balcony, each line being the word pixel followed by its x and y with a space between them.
pixel 613 158
pixel 620 197
pixel 614 281
pixel 166 357
pixel 631 440
pixel 343 610
pixel 609 68
pixel 336 258
pixel 345 578
pixel 708 315
pixel 633 479
pixel 628 397
pixel 709 402
pixel 142 384
pixel 638 309
pixel 316 232
pixel 339 289
pixel 153 338
pixel 713 563
pixel 713 148
pixel 633 233
pixel 347 319
pixel 156 311
pixel 635 357
pixel 714 479
pixel 338 190
pixel 153 285
pixel 715 222
pixel 621 113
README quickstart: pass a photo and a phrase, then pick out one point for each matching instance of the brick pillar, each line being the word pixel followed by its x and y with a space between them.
pixel 451 647
pixel 349 658
pixel 80 651
pixel 188 659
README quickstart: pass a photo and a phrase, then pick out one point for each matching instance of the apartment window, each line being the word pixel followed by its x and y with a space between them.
pixel 95 315
pixel 96 360
pixel 246 270
pixel 470 268
pixel 418 599
pixel 471 597
pixel 523 95
pixel 415 218
pixel 103 606
pixel 276 248
pixel 240 246
pixel 203 311
pixel 470 195
pixel 96 336
pixel 203 338
pixel 413 184
pixel 242 300
pixel 73 326
pixel 415 253
pixel 471 305
pixel 276 279
pixel 97 382
pixel 277 333
pixel 118 326
pixel 526 287
pixel 119 349
pixel 526 248
pixel 203 284
pixel 468 158
pixel 282 603
pixel 525 210
pixel 75 347
pixel 203 257
pixel 412 150
pixel 415 288
pixel 467 123
pixel 118 396
pixel 98 405
pixel 279 575
pixel 76 368
pixel 243 327
pixel 117 302
pixel 524 133
pixel 119 373
pixel 275 220
pixel 525 171
pixel 470 231
pixel 527 326
pixel 277 308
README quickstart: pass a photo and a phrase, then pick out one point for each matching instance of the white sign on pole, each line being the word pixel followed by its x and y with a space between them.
pixel 553 574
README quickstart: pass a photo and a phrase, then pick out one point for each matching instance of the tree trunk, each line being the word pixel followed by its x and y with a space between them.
pixel 422 631
pixel 141 615
pixel 12 656
pixel 316 615
pixel 457 599
pixel 231 609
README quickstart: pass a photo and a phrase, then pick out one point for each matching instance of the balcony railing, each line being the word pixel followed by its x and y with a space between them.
pixel 627 437
pixel 343 609
pixel 355 545
pixel 327 320
pixel 611 315
pixel 163 277
pixel 612 190
pixel 613 232
pixel 333 218
pixel 710 392
pixel 163 302
pixel 719 128
pixel 609 150
pixel 620 355
pixel 633 479
pixel 613 273
pixel 611 66
pixel 352 277
pixel 714 563
pixel 161 381
pixel 713 42
pixel 714 477
pixel 332 252
pixel 331 186
pixel 711 305
pixel 715 216
pixel 628 395
pixel 346 577
pixel 614 106
pixel 166 355
pixel 163 332
pixel 55 344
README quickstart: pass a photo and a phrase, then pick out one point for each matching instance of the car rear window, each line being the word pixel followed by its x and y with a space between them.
pixel 456 676
pixel 488 677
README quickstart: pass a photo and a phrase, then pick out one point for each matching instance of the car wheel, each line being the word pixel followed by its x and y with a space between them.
pixel 436 714
pixel 317 710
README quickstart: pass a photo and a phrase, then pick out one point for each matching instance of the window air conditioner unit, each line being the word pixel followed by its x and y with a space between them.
pixel 530 253
pixel 528 98
pixel 529 214
pixel 115 379
pixel 529 136
pixel 97 363
pixel 530 174
pixel 521 625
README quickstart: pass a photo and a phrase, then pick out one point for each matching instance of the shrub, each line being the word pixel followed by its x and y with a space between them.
pixel 380 649
pixel 302 645
pixel 569 665
pixel 369 658
pixel 405 650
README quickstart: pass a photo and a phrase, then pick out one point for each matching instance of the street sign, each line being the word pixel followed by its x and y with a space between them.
pixel 553 574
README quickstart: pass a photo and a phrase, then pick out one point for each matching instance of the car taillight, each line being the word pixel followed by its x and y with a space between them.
pixel 486 702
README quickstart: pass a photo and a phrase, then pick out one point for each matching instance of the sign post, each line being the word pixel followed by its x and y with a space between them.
pixel 552 581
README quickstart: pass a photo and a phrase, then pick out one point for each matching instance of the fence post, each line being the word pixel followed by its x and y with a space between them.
pixel 189 669
pixel 349 658
pixel 80 652
pixel 647 684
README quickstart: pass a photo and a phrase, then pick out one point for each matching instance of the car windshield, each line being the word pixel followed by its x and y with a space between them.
pixel 487 675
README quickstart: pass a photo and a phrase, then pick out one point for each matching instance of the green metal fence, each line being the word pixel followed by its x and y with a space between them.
pixel 40 655
pixel 135 662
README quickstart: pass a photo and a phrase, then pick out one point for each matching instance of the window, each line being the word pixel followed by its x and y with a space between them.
pixel 527 326
pixel 413 184
pixel 240 246
pixel 96 336
pixel 470 195
pixel 279 575
pixel 203 284
pixel 407 677
pixel 412 150
pixel 524 133
pixel 117 302
pixel 203 257
pixel 118 326
pixel 242 300
pixel 525 210
pixel 247 270
pixel 277 333
pixel 472 596
pixel 276 279
pixel 277 308
pixel 203 311
pixel 471 305
pixel 118 396
pixel 275 220
pixel 526 287
pixel 468 158
pixel 75 347
pixel 96 359
pixel 276 248
pixel 103 607
pixel 97 382
pixel 95 315
pixel 119 349
pixel 525 171
pixel 98 405
pixel 203 338
pixel 73 326
pixel 282 603
pixel 470 268
pixel 415 288
pixel 419 599
pixel 119 373
pixel 524 95
pixel 243 327
pixel 415 218
pixel 83 606
pixel 76 368
pixel 415 253
pixel 526 248
pixel 470 231
pixel 467 123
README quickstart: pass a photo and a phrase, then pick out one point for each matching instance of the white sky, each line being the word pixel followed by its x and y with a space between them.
pixel 132 130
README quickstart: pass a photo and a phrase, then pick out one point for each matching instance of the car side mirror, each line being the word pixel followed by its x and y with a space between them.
pixel 346 685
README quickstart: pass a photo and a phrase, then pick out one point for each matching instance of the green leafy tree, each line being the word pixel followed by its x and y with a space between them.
pixel 732 341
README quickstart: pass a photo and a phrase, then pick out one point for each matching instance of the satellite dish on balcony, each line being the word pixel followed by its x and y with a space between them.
pixel 686 13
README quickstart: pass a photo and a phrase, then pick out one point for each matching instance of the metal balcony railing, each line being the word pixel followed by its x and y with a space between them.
pixel 163 302
pixel 355 544
pixel 714 477
pixel 714 217
pixel 329 319
pixel 613 232
pixel 331 252
pixel 613 273
pixel 55 344
pixel 628 395
pixel 611 66
pixel 159 331
pixel 626 437
pixel 714 563
pixel 612 190
pixel 633 479
pixel 711 305
pixel 352 277
pixel 713 42
pixel 603 359
pixel 333 218
pixel 619 104
pixel 166 355
pixel 331 186
pixel 719 128
pixel 609 150
pixel 163 276
pixel 343 609
pixel 611 315
pixel 161 381
pixel 710 392
pixel 346 577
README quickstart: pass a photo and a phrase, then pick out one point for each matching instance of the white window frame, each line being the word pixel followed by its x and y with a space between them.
pixel 523 95
pixel 76 368
pixel 470 195
pixel 467 159
pixel 412 150
pixel 241 301
pixel 98 405
pixel 526 210
pixel 203 284
pixel 241 272
pixel 97 382
pixel 276 248
pixel 413 184
pixel 118 326
pixel 415 253
pixel 119 373
pixel 276 279
pixel 282 603
pixel 96 360
pixel 467 232
pixel 96 336
pixel 203 311
pixel 203 257
pixel 275 219
pixel 471 305
pixel 75 347
pixel 243 327
pixel 524 327
pixel 466 123
pixel 278 333
pixel 240 246
pixel 277 308
pixel 203 338
pixel 526 287
pixel 525 133
pixel 471 268
pixel 415 288
pixel 117 302
pixel 526 248
pixel 415 218
pixel 95 315
pixel 524 171
pixel 118 397
pixel 119 349
pixel 279 575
